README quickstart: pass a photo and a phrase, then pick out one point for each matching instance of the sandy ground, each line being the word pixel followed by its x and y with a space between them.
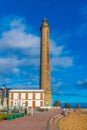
pixel 74 121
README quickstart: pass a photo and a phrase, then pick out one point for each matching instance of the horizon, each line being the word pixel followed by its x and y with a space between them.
pixel 20 23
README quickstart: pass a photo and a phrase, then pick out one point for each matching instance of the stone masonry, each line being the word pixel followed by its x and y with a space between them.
pixel 45 62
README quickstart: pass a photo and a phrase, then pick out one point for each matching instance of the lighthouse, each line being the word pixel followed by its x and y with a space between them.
pixel 45 62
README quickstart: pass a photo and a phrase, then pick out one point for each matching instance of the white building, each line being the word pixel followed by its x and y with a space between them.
pixel 26 98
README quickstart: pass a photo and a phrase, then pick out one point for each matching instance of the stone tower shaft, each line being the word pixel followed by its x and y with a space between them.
pixel 45 61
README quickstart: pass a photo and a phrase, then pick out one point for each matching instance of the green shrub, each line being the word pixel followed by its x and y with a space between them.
pixel 9 117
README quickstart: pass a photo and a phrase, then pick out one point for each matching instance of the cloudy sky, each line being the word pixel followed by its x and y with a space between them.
pixel 20 22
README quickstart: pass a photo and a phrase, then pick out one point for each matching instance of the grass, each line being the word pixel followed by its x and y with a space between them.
pixel 3 116
pixel 10 116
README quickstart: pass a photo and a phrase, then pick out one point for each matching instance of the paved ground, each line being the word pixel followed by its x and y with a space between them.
pixel 36 122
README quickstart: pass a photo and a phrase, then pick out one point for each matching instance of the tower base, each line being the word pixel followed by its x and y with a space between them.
pixel 48 98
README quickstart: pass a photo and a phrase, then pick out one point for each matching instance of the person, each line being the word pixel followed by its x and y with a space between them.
pixel 63 111
pixel 25 111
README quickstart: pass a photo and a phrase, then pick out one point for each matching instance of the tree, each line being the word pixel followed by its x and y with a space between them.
pixel 77 106
pixel 67 105
pixel 57 103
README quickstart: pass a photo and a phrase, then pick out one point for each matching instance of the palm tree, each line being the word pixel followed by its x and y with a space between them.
pixel 77 106
pixel 67 105
pixel 57 103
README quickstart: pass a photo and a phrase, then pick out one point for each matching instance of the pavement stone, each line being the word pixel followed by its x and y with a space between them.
pixel 36 122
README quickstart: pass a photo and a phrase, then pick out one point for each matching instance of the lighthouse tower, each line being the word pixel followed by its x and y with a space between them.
pixel 45 62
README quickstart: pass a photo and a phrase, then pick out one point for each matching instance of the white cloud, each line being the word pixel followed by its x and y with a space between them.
pixel 58 58
pixel 79 82
pixel 17 23
pixel 6 61
pixel 9 64
pixel 16 71
pixel 82 82
pixel 6 80
pixel 59 84
pixel 81 31
pixel 84 11
pixel 54 49
pixel 29 62
pixel 17 37
pixel 64 61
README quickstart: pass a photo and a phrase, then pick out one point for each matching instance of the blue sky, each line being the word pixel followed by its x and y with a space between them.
pixel 20 22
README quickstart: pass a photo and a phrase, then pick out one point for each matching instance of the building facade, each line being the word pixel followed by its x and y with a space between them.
pixel 3 92
pixel 3 97
pixel 45 62
pixel 26 98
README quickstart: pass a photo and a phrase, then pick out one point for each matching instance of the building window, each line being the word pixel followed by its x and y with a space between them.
pixel 30 96
pixel 15 95
pixel 15 103
pixel 23 103
pixel 37 96
pixel 22 95
pixel 30 103
pixel 37 103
